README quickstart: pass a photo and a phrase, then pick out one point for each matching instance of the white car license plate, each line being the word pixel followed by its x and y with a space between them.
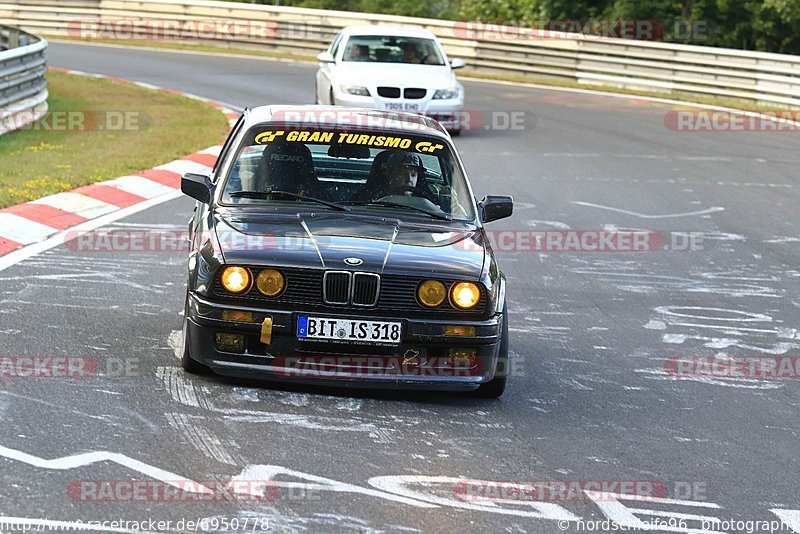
pixel 354 330
pixel 397 106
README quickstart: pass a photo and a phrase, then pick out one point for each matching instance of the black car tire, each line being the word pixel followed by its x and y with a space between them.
pixel 333 100
pixel 189 365
pixel 455 133
pixel 497 385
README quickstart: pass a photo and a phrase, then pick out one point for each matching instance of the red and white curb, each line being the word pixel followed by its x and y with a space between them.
pixel 36 221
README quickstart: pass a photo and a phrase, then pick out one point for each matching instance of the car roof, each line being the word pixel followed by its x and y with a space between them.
pixel 331 117
pixel 392 31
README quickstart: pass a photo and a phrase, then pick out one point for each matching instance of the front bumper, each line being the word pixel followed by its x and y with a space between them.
pixel 421 361
pixel 447 112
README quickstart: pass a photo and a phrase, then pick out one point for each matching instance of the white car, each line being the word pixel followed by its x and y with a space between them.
pixel 391 68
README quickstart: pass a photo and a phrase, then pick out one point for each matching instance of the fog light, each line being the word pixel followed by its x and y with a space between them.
pixel 229 342
pixel 237 316
pixel 464 358
pixel 459 330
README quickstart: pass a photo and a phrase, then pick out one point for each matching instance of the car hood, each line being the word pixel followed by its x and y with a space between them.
pixel 394 75
pixel 325 241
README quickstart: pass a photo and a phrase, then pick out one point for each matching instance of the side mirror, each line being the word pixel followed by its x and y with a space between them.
pixel 197 186
pixel 325 57
pixel 494 207
pixel 458 64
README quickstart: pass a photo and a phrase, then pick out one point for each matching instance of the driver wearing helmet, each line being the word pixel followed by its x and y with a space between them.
pixel 403 170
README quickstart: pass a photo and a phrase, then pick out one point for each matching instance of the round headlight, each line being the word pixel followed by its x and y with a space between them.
pixel 236 280
pixel 270 282
pixel 431 293
pixel 465 295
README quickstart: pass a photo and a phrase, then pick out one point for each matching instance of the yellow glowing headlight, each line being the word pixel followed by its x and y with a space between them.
pixel 431 293
pixel 465 295
pixel 236 280
pixel 270 282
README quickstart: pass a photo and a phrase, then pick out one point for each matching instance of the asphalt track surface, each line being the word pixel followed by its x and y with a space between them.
pixel 588 399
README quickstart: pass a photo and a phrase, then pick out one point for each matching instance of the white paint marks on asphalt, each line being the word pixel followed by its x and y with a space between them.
pixel 293 399
pixel 611 506
pixel 790 518
pixel 240 394
pixel 782 239
pixel 722 314
pixel 571 154
pixel 550 224
pixel 301 421
pixel 203 439
pixel 728 322
pixel 82 460
pixel 348 405
pixel 660 374
pixel 175 342
pixel 401 485
pixel 179 388
pixel 645 216
pixel 269 473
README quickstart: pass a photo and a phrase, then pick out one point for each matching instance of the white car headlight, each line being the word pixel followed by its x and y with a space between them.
pixel 354 90
pixel 446 94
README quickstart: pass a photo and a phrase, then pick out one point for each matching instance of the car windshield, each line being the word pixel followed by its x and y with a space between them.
pixel 364 171
pixel 383 49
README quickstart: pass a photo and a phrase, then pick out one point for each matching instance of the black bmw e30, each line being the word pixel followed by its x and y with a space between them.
pixel 344 246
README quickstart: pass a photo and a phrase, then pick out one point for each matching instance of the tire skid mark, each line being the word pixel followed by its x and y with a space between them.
pixel 203 439
pixel 180 389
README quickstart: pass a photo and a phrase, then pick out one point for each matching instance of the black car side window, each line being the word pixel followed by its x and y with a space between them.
pixel 226 148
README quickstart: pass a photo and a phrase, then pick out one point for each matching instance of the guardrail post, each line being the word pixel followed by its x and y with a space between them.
pixel 13 39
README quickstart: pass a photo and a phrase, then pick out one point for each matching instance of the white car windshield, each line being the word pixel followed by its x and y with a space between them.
pixel 365 171
pixel 386 49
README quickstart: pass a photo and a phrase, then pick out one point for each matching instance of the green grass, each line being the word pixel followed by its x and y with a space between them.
pixel 160 127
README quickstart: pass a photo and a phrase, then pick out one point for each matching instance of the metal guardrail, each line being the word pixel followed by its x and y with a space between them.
pixel 613 63
pixel 23 87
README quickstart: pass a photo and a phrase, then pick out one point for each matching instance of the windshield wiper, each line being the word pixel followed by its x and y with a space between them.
pixel 267 195
pixel 388 204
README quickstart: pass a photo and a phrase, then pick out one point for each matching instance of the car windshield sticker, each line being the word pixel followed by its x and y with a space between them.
pixel 346 138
